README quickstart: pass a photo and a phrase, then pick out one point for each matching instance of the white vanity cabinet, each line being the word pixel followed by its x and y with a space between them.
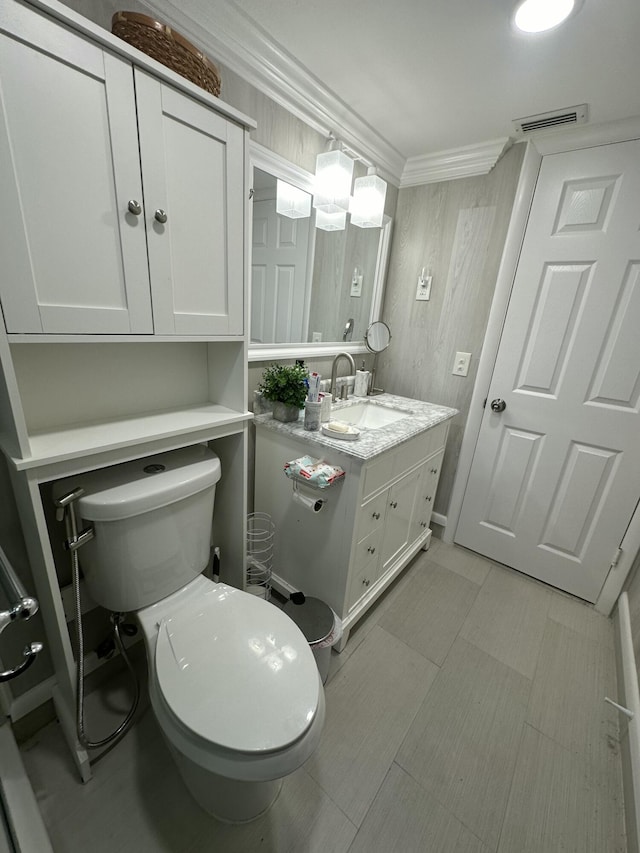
pixel 372 525
pixel 122 197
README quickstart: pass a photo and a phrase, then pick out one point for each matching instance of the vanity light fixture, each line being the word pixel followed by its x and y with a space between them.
pixel 292 201
pixel 536 16
pixel 367 204
pixel 334 172
pixel 331 221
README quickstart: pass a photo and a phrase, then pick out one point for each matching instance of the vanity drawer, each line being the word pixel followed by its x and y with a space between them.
pixel 370 516
pixel 418 448
pixel 365 562
pixel 377 474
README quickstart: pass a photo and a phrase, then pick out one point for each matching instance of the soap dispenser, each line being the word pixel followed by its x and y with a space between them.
pixel 361 387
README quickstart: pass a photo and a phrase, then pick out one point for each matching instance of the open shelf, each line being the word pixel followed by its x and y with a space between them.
pixel 81 440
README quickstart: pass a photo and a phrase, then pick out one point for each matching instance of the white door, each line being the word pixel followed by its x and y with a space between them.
pixel 556 475
pixel 193 174
pixel 74 259
pixel 278 275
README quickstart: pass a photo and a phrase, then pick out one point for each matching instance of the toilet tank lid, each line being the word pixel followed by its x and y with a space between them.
pixel 130 489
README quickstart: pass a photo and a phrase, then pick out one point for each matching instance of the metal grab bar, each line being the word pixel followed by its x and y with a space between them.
pixel 21 606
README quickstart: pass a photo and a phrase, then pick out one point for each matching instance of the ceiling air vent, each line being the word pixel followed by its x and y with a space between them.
pixel 547 121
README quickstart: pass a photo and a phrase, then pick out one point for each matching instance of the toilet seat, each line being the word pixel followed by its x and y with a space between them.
pixel 236 673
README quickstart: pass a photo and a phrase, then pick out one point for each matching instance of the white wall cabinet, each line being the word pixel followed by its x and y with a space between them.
pixel 372 525
pixel 122 211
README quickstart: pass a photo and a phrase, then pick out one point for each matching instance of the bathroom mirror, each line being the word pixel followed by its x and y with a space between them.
pixel 313 292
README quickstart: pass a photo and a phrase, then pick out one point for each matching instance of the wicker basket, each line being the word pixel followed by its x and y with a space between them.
pixel 160 42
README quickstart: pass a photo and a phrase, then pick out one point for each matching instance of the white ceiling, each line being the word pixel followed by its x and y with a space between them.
pixel 429 76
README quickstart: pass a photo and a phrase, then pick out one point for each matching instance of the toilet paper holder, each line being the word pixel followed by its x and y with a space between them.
pixel 311 502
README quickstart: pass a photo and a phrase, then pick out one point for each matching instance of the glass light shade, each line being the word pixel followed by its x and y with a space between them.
pixel 331 221
pixel 535 16
pixel 292 201
pixel 334 171
pixel 367 204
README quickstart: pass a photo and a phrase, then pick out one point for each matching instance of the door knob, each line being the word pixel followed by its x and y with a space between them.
pixel 160 216
pixel 498 405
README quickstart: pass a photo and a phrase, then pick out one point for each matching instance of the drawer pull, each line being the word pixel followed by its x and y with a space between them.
pixel 371 550
pixel 393 504
pixel 375 515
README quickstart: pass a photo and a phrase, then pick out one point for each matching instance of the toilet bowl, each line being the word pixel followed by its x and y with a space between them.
pixel 233 683
pixel 236 693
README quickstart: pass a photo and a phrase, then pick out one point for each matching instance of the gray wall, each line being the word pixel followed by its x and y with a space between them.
pixel 457 229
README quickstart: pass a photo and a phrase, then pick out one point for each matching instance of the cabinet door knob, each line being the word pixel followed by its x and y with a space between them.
pixel 428 498
pixel 423 524
pixel 434 470
pixel 366 582
pixel 375 515
pixel 160 216
pixel 134 207
pixel 371 550
pixel 393 504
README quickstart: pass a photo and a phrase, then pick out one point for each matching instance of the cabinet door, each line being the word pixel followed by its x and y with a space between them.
pixel 74 260
pixel 398 520
pixel 193 173
pixel 426 494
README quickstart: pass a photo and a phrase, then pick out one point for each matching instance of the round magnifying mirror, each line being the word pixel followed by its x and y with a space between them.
pixel 377 337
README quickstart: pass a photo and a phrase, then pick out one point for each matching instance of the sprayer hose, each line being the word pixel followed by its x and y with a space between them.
pixel 116 618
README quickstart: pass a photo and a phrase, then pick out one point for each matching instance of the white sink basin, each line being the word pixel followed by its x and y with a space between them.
pixel 368 415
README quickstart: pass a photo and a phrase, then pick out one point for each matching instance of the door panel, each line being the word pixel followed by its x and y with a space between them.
pixel 279 271
pixel 556 476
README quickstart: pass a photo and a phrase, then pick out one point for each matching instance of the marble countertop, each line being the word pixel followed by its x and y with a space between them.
pixel 421 416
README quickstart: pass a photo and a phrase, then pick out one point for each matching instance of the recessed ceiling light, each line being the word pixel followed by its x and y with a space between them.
pixel 535 16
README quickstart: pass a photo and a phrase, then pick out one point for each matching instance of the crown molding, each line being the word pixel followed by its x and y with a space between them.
pixel 230 37
pixel 455 163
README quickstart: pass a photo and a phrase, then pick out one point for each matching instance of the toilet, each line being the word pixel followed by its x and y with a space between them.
pixel 232 681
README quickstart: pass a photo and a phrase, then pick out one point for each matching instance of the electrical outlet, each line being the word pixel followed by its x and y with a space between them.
pixel 423 291
pixel 461 364
pixel 356 285
pixel 316 337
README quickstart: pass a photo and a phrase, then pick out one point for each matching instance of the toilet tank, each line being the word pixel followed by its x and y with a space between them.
pixel 152 525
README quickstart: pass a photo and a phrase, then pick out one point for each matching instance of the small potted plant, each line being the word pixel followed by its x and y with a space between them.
pixel 285 386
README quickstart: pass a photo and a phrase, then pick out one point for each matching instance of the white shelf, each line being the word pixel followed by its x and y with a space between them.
pixel 81 440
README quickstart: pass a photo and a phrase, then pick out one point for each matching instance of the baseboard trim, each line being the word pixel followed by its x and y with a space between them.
pixel 629 696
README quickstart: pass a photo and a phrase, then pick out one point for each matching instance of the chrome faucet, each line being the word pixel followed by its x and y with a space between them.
pixel 334 373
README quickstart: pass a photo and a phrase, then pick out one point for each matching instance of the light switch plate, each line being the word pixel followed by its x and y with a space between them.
pixel 356 285
pixel 316 337
pixel 461 364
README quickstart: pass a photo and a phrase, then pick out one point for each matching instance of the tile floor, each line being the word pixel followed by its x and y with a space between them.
pixel 465 715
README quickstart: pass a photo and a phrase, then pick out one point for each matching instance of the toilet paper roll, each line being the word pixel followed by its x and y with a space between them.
pixel 312 504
